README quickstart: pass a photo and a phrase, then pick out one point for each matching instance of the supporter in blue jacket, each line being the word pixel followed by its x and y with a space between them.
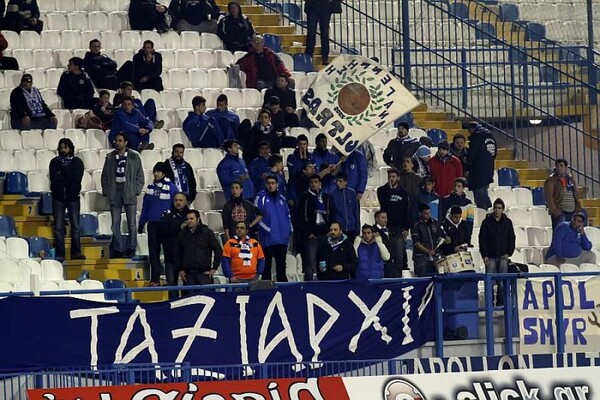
pixel 570 243
pixel 321 155
pixel 226 120
pixel 299 158
pixel 372 254
pixel 275 229
pixel 232 168
pixel 135 126
pixel 200 128
pixel 259 167
pixel 355 166
pixel 158 198
pixel 346 206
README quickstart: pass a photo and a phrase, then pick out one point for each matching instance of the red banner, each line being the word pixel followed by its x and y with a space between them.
pixel 277 389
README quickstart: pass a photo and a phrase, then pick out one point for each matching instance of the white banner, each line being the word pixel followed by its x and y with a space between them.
pixel 537 314
pixel 353 98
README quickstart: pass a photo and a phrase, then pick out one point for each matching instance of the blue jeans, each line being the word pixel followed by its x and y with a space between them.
pixel 482 198
pixel 115 215
pixel 500 266
pixel 58 211
pixel 424 266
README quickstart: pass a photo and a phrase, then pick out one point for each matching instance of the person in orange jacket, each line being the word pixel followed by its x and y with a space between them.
pixel 243 259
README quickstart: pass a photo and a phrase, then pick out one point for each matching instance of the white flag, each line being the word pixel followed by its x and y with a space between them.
pixel 353 98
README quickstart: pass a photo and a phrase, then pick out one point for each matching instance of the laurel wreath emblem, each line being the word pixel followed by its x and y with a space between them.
pixel 375 91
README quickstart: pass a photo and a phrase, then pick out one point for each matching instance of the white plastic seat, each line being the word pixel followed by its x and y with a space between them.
pixel 593 234
pixel 185 58
pixel 566 267
pixel 170 40
pixel 177 135
pixel 223 58
pixel 96 139
pixel 149 158
pixel 49 286
pixel 523 197
pixel 152 36
pixel 25 57
pixel 52 270
pixel 534 269
pixel 203 200
pixel 50 40
pixel 214 220
pixel 24 160
pixel 250 113
pixel 104 223
pixel 76 21
pixel 86 181
pixel 13 39
pixel 91 284
pixel 178 78
pixel 520 238
pixel 160 138
pixel 53 101
pixel 170 99
pixel 98 21
pixel 212 157
pixel 169 116
pixel 43 158
pixel 118 21
pixel 519 216
pixel 28 267
pixel 53 76
pixel 234 98
pixel 549 268
pixel 210 41
pixel 148 94
pixel 88 35
pixel 208 179
pixel 90 159
pixel 589 267
pixel 7 162
pixel 187 95
pixel 71 39
pixel 252 98
pixel 204 59
pixel 111 40
pixel 9 271
pixel 538 236
pixel 12 79
pixel 39 77
pixel 540 217
pixel 70 285
pixel 131 40
pixel 195 157
pixel 65 5
pixel 197 78
pixel 211 94
pixel 29 40
pixel 38 181
pixel 52 137
pixel 42 58
pixel 288 61
pixel 17 247
pixel 190 40
pixel 506 194
pixel 77 136
pixel 56 22
pixel 217 78
pixel 10 139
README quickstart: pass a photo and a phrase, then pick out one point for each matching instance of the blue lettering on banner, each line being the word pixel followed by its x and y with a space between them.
pixel 312 323
pixel 574 296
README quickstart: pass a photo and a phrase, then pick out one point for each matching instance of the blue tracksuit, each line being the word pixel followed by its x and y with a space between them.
pixel 257 167
pixel 276 226
pixel 346 209
pixel 130 123
pixel 324 157
pixel 229 170
pixel 202 131
pixel 295 164
pixel 356 168
pixel 157 199
pixel 567 242
pixel 227 122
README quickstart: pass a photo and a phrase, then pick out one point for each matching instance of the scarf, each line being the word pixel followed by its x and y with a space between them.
pixel 180 178
pixel 265 130
pixel 66 161
pixel 34 101
pixel 160 189
pixel 444 159
pixel 120 172
pixel 335 244
pixel 319 206
pixel 245 250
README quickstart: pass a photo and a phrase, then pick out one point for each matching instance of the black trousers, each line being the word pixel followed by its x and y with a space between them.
pixel 169 248
pixel 196 278
pixel 278 252
pixel 58 211
pixel 9 63
pixel 322 20
pixel 155 241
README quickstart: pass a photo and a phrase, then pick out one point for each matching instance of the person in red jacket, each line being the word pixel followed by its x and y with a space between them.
pixel 444 169
pixel 262 66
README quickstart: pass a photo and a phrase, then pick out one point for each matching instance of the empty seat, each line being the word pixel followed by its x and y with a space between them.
pixel 52 270
pixel 10 139
pixel 540 217
pixel 593 235
pixel 25 160
pixel 538 236
pixel 38 181
pixel 43 158
pixel 17 247
pixel 9 271
pixel 508 177
pixel 32 139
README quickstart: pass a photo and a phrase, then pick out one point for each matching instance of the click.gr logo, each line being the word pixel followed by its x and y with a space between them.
pixel 399 389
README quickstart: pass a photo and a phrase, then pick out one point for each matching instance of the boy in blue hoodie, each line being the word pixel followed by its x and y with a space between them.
pixel 225 119
pixel 201 129
pixel 157 199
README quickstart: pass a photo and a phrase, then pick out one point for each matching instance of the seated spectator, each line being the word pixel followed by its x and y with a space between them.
pixel 458 230
pixel 5 61
pixel 200 128
pixel 232 168
pixel 261 65
pixel 194 15
pixel 458 150
pixel 286 95
pixel 226 120
pixel 133 124
pixel 28 110
pixel 148 109
pixel 259 167
pixel 103 70
pixel 456 198
pixel 23 15
pixel 445 168
pixel 147 15
pixel 371 253
pixel 103 110
pixel 321 154
pixel 263 130
pixel 421 158
pixel 243 258
pixel 147 67
pixel 346 208
pixel 409 180
pixel 281 119
pixel 239 210
pixel 336 258
pixel 570 244
pixel 235 30
pixel 75 86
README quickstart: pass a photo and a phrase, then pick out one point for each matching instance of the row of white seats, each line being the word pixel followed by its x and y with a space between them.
pixel 83 5
pixel 19 269
pixel 13 247
pixel 51 286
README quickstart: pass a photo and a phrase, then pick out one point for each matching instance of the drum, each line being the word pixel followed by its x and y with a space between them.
pixel 458 262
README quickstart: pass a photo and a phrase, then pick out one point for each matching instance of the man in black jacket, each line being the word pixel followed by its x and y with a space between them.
pixel 480 158
pixel 497 243
pixel 426 235
pixel 287 97
pixel 195 15
pixel 66 173
pixel 314 213
pixel 390 269
pixel 198 252
pixel 75 86
pixel 103 70
pixel 235 29
pixel 22 15
pixel 146 15
pixel 28 110
pixel 147 67
pixel 239 210
pixel 336 258
pixel 457 198
pixel 458 230
pixel 400 147
pixel 173 221
pixel 181 173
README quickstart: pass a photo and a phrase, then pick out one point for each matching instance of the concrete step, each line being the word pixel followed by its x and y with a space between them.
pixel 91 252
pixel 19 209
pixel 102 274
pixel 276 29
pixel 266 19
pixel 151 297
pixel 246 9
pixel 504 154
pixel 430 116
pixel 33 226
pixel 440 125
pixel 533 182
pixel 511 164
pixel 533 173
pixel 590 203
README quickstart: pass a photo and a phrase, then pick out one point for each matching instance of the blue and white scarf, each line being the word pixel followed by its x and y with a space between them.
pixel 160 189
pixel 245 250
pixel 34 100
pixel 66 161
pixel 336 243
pixel 180 178
pixel 320 209
pixel 120 172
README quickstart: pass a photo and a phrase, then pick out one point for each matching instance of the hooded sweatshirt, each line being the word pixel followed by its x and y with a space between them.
pixel 236 33
pixel 158 199
pixel 567 242
pixel 226 121
pixel 458 233
pixel 202 131
pixel 151 69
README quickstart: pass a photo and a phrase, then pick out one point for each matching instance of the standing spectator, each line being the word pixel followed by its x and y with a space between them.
pixel 226 120
pixel 147 15
pixel 458 230
pixel 147 67
pixel 259 167
pixel 181 173
pixel 570 243
pixel 261 65
pixel 233 168
pixel 560 190
pixel 103 70
pixel 456 198
pixel 133 124
pixel 346 206
pixel 426 234
pixel 321 154
pixel 394 202
pixel 282 91
pixel 400 147
pixel 427 193
pixel 380 228
pixel 198 252
pixel 22 15
pixel 281 119
pixel 497 243
pixel 355 166
pixel 275 229
pixel 28 110
pixel 459 150
pixel 158 198
pixel 6 63
pixel 421 160
pixel 66 174
pixel 275 169
pixel 319 13
pixel 314 213
pixel 301 182
pixel 263 130
pixel 371 253
pixel 300 157
pixel 336 258
pixel 368 150
pixel 243 257
pixel 409 180
pixel 103 110
pixel 239 210
pixel 75 86
pixel 122 181
pixel 235 29
pixel 200 128
pixel 445 168
pixel 148 108
pixel 480 158
pixel 173 221
pixel 194 15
